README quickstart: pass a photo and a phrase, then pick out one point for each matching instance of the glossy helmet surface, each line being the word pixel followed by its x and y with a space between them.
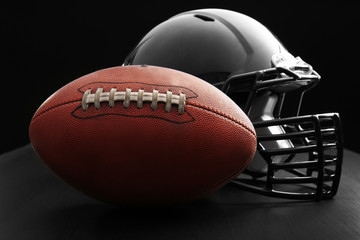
pixel 298 157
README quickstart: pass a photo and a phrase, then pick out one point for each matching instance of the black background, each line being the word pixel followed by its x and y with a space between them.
pixel 46 46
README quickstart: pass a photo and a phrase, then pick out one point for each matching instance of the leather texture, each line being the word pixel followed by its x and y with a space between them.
pixel 143 156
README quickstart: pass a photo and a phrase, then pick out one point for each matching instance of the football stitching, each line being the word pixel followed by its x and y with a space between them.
pixel 195 95
pixel 191 118
pixel 79 90
pixel 188 103
pixel 139 97
pixel 100 115
pixel 191 104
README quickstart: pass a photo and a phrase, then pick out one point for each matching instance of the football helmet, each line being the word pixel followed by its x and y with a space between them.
pixel 298 157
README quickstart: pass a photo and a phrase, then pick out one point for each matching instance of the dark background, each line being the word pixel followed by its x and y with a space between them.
pixel 46 46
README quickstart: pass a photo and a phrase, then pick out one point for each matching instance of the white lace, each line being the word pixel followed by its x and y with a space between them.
pixel 128 96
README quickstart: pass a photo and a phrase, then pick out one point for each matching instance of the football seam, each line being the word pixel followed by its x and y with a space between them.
pixel 79 90
pixel 36 116
pixel 209 109
pixel 52 108
pixel 188 103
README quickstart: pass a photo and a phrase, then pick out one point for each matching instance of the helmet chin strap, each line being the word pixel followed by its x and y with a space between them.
pixel 262 110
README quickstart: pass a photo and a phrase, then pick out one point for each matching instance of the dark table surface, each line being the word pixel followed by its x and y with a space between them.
pixel 34 204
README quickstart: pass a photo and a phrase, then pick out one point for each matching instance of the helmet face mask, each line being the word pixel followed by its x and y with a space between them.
pixel 298 157
pixel 312 161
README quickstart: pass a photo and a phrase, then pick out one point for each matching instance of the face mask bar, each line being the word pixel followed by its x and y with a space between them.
pixel 312 167
pixel 278 80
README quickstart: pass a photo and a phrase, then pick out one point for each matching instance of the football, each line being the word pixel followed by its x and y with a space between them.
pixel 142 135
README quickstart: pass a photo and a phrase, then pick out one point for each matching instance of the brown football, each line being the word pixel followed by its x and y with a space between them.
pixel 142 135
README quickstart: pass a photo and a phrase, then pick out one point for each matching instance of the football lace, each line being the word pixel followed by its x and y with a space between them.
pixel 128 96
